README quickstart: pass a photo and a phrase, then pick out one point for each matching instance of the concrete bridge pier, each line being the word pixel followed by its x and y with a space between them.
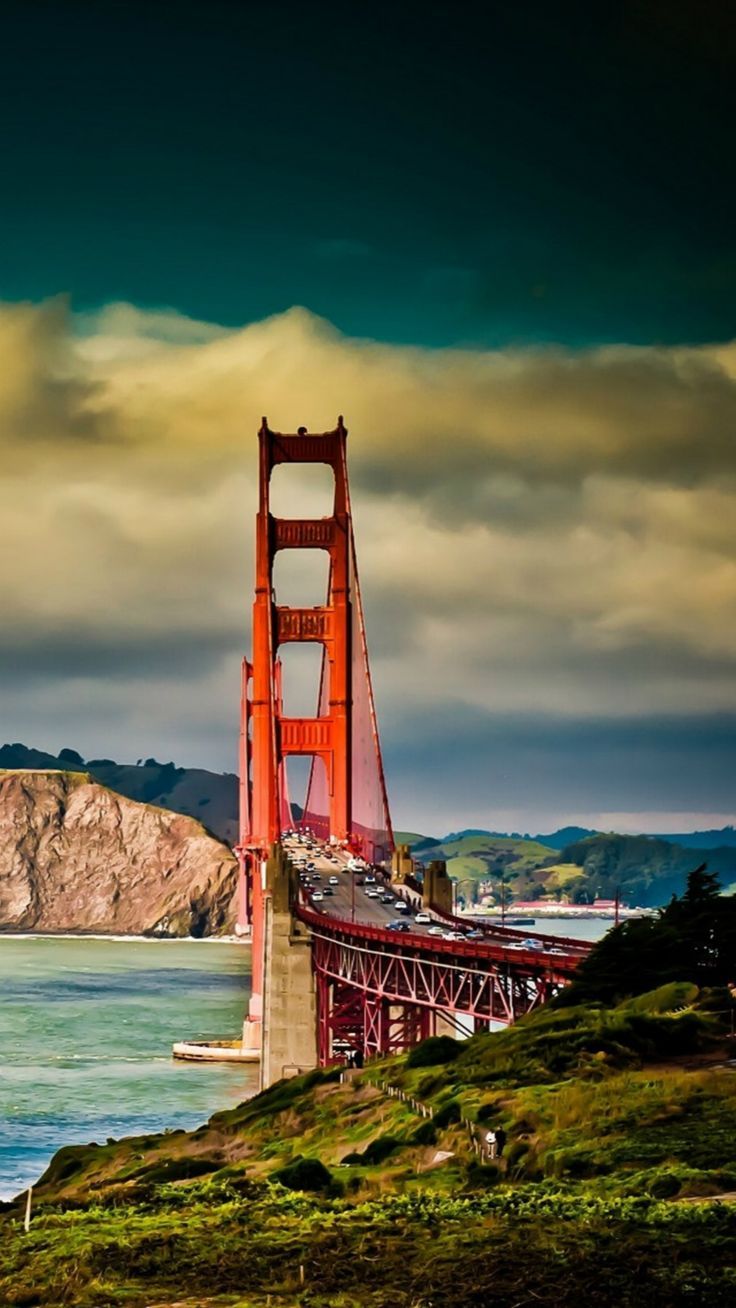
pixel 289 1026
pixel 402 865
pixel 437 891
pixel 437 888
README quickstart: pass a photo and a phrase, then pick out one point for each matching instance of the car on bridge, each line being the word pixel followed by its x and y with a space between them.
pixel 436 931
pixel 423 919
pixel 317 896
pixel 398 926
pixel 334 881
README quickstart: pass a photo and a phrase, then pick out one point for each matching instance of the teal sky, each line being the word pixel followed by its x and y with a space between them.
pixel 430 174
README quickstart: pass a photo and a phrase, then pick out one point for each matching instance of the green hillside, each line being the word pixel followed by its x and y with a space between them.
pixel 645 870
pixel 482 857
pixel 414 839
pixel 615 1174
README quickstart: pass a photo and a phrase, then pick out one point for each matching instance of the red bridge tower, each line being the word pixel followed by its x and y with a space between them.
pixel 346 796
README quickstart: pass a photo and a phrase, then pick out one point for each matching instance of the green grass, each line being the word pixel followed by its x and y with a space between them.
pixel 614 1117
pixel 500 1246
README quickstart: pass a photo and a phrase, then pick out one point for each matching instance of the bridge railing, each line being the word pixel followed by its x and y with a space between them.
pixel 511 933
pixel 555 960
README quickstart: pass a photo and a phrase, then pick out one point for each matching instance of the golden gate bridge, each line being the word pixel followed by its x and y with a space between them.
pixel 334 974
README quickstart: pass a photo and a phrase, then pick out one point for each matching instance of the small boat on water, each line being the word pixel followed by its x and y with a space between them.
pixel 520 921
pixel 215 1051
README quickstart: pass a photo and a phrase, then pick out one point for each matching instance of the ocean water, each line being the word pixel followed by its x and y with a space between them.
pixel 587 928
pixel 86 1028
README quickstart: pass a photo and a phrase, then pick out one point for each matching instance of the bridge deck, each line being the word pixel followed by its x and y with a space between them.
pixel 348 911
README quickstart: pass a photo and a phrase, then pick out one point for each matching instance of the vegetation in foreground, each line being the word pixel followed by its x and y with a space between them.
pixel 617 1184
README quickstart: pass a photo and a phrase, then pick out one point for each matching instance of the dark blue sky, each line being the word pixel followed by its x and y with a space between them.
pixel 431 174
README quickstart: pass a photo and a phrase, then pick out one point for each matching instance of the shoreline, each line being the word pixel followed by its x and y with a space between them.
pixel 122 939
pixel 562 914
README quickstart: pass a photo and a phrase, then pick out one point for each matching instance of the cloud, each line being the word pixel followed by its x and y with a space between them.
pixel 544 532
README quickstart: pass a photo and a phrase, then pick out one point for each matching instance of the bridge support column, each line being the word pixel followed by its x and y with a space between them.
pixel 289 1040
pixel 402 865
pixel 437 887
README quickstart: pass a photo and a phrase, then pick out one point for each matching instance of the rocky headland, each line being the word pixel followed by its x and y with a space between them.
pixel 75 856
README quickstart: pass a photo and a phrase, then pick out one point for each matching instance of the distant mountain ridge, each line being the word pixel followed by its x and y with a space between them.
pixel 210 797
pixel 564 836
pixel 644 870
pixel 715 839
pixel 649 866
pixel 712 839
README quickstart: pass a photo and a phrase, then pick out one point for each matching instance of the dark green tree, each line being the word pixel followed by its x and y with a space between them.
pixel 692 939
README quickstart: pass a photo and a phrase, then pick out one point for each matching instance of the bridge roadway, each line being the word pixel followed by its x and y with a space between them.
pixel 380 990
pixel 348 903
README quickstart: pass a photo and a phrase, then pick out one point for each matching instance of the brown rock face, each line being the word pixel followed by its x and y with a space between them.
pixel 77 857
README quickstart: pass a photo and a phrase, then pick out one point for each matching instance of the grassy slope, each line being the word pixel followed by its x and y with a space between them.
pixel 606 1113
pixel 471 859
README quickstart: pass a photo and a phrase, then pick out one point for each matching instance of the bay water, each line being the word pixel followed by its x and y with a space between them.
pixel 86 1029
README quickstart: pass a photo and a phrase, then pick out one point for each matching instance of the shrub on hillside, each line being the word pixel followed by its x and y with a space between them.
pixel 446 1115
pixel 375 1153
pixel 425 1134
pixel 379 1150
pixel 434 1051
pixel 481 1176
pixel 304 1174
pixel 665 1186
pixel 177 1169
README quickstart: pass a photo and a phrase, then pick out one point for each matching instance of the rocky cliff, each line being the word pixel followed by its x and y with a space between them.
pixel 74 856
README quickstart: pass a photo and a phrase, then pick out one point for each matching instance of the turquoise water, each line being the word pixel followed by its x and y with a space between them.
pixel 86 1028
pixel 587 928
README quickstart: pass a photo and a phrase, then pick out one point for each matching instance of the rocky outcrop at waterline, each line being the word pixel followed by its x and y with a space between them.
pixel 75 856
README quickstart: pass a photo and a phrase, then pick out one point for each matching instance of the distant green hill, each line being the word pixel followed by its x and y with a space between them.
pixel 717 839
pixel 565 836
pixel 645 870
pixel 416 841
pixel 480 856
